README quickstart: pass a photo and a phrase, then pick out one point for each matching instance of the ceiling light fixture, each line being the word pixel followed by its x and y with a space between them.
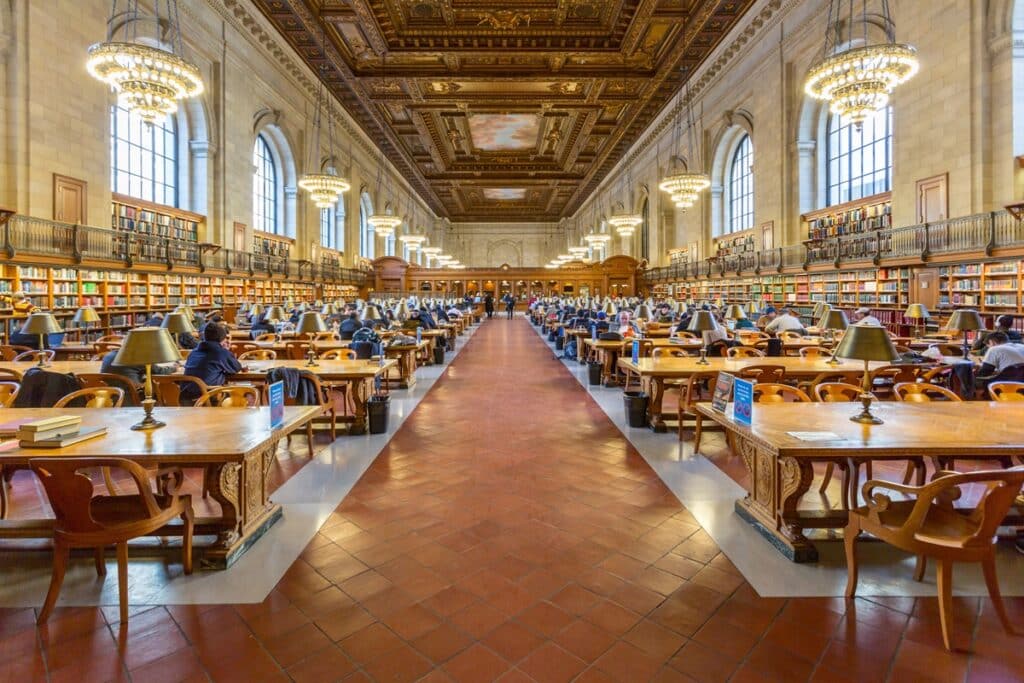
pixel 685 181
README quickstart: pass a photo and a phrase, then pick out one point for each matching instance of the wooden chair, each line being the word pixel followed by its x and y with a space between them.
pixel 929 526
pixel 11 351
pixel 844 376
pixel 949 349
pixel 111 338
pixel 326 336
pixel 265 337
pixel 669 352
pixel 34 355
pixel 238 348
pixel 699 387
pixel 683 334
pixel 94 397
pixel 764 373
pixel 87 521
pixel 8 392
pixel 940 374
pixel 814 352
pixel 10 374
pixel 768 392
pixel 744 352
pixel 230 396
pixel 885 378
pixel 922 392
pixel 132 392
pixel 103 348
pixel 839 392
pixel 167 388
pixel 326 408
pixel 258 354
pixel 296 350
pixel 337 354
pixel 1006 391
pixel 789 335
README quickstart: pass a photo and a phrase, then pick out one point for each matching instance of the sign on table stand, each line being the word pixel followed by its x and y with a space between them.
pixel 743 400
pixel 636 351
pixel 275 392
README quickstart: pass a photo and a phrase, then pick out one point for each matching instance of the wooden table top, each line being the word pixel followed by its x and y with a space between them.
pixel 254 369
pixel 967 428
pixel 795 365
pixel 191 435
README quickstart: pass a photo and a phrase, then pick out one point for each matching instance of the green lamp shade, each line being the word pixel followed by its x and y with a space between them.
pixel 833 319
pixel 146 346
pixel 310 323
pixel 40 322
pixel 965 321
pixel 735 312
pixel 86 314
pixel 702 321
pixel 275 314
pixel 178 323
pixel 916 312
pixel 867 342
pixel 370 312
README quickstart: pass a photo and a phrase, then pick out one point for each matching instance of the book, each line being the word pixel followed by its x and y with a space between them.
pixel 51 423
pixel 69 440
pixel 49 434
pixel 11 429
pixel 723 391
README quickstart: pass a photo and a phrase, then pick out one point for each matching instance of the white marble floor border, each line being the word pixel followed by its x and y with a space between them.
pixel 709 494
pixel 307 498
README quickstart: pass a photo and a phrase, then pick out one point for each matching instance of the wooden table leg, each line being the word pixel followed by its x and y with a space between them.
pixel 360 395
pixel 656 394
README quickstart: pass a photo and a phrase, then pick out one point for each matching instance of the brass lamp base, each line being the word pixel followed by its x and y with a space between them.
pixel 865 416
pixel 703 357
pixel 148 422
pixel 311 358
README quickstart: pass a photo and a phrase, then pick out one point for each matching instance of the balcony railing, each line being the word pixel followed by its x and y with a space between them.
pixel 986 232
pixel 25 235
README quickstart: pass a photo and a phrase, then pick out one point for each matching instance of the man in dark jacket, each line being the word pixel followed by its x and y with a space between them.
pixel 489 305
pixel 349 325
pixel 211 361
pixel 428 320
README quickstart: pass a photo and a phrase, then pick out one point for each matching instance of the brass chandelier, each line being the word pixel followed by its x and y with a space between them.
pixel 857 80
pixel 148 80
pixel 685 181
pixel 325 188
pixel 383 224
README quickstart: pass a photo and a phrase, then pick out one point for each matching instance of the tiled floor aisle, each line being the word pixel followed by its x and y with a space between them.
pixel 510 532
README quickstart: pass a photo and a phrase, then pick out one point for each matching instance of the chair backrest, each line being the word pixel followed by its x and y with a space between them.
pixel 11 351
pixel 764 373
pixel 240 347
pixel 70 493
pixel 8 392
pixel 258 354
pixel 107 379
pixel 338 354
pixel 790 335
pixel 923 392
pixel 103 348
pixel 266 336
pixel 695 385
pixel 326 336
pixel 296 350
pixel 683 334
pixel 93 397
pixel 231 396
pixel 897 374
pixel 1012 373
pixel 939 374
pixel 167 388
pixel 743 352
pixel 668 351
pixel 305 376
pixel 769 392
pixel 111 338
pixel 813 352
pixel 1006 391
pixel 949 349
pixel 844 376
pixel 35 354
pixel 1000 489
pixel 836 392
pixel 10 374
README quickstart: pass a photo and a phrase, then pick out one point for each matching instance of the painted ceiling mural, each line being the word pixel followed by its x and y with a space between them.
pixel 498 111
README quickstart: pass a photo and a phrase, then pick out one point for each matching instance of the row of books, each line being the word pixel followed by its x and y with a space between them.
pixel 861 219
pixel 130 218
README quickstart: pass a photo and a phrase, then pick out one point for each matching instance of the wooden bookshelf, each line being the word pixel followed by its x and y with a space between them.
pixel 861 216
pixel 129 214
pixel 269 244
pixel 735 243
pixel 992 287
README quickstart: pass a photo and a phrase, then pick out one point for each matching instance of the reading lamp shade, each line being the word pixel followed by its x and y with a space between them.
pixel 329 309
pixel 256 310
pixel 752 307
pixel 833 319
pixel 40 322
pixel 146 346
pixel 867 342
pixel 402 310
pixel 310 323
pixel 275 314
pixel 734 312
pixel 965 321
pixel 916 312
pixel 609 307
pixel 702 321
pixel 85 315
pixel 178 323
pixel 642 312
pixel 370 312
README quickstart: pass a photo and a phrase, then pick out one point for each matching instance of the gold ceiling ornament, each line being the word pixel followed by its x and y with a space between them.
pixel 148 80
pixel 325 187
pixel 856 77
pixel 685 181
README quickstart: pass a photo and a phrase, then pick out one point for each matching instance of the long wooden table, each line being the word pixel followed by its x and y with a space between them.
pixel 654 371
pixel 235 446
pixel 780 465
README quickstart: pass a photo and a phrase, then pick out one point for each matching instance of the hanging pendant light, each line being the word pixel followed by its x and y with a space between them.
pixel 149 81
pixel 324 188
pixel 383 224
pixel 685 181
pixel 857 80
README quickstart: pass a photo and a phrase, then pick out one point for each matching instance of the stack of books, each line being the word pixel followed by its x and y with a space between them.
pixel 56 432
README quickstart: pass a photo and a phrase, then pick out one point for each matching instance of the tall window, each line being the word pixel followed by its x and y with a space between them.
pixel 144 158
pixel 328 228
pixel 264 188
pixel 859 160
pixel 741 187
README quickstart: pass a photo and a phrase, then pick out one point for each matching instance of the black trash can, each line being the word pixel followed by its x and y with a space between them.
pixel 377 410
pixel 636 408
pixel 552 336
pixel 559 343
pixel 594 373
pixel 438 354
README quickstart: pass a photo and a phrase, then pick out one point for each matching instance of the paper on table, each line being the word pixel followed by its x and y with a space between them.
pixel 815 436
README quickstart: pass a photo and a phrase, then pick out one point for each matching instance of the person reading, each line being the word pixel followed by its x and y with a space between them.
pixel 211 361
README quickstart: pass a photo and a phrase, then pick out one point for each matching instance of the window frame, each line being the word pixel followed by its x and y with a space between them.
pixel 169 130
pixel 265 197
pixel 740 188
pixel 841 154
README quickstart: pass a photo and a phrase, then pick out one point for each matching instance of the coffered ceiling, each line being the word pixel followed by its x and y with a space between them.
pixel 498 110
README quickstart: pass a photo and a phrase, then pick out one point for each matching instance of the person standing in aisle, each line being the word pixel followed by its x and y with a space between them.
pixel 510 305
pixel 489 305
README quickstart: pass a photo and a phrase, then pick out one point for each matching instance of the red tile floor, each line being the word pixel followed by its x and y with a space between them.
pixel 509 532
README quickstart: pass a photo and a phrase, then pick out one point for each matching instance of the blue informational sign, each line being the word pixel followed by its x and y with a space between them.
pixel 276 394
pixel 743 400
pixel 593 332
pixel 636 351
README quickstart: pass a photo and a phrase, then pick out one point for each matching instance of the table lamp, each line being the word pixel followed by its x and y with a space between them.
pixel 702 321
pixel 178 323
pixel 642 312
pixel 41 323
pixel 734 312
pixel 276 314
pixel 310 323
pixel 329 309
pixel 916 312
pixel 185 310
pixel 401 311
pixel 609 308
pixel 867 343
pixel 85 316
pixel 369 312
pixel 833 319
pixel 255 312
pixel 752 308
pixel 146 346
pixel 965 321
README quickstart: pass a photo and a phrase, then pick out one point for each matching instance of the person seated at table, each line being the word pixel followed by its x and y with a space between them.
pixel 155 319
pixel 414 320
pixel 1004 324
pixel 136 373
pixel 627 327
pixel 261 326
pixel 601 323
pixel 786 322
pixel 1000 356
pixel 744 324
pixel 427 319
pixel 211 361
pixel 349 326
pixel 454 312
pixel 664 315
pixel 863 316
pixel 766 317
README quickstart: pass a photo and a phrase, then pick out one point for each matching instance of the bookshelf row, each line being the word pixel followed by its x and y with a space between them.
pixel 863 216
pixel 993 286
pixel 128 214
pixel 269 244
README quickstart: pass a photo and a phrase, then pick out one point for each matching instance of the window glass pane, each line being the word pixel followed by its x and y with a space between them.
pixel 264 188
pixel 144 157
pixel 741 187
pixel 859 161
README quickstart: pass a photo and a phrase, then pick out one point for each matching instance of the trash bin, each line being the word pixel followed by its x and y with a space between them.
pixel 559 343
pixel 552 336
pixel 438 354
pixel 594 373
pixel 377 410
pixel 636 408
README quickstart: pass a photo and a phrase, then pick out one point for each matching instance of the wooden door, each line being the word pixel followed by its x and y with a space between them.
pixel 69 199
pixel 925 288
pixel 932 199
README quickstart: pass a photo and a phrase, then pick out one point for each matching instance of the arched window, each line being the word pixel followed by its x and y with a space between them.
pixel 144 158
pixel 645 230
pixel 859 160
pixel 366 234
pixel 741 187
pixel 264 188
pixel 328 228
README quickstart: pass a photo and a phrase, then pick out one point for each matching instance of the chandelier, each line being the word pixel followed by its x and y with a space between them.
pixel 579 253
pixel 148 80
pixel 326 188
pixel 625 223
pixel 856 81
pixel 412 242
pixel 685 181
pixel 597 239
pixel 384 224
